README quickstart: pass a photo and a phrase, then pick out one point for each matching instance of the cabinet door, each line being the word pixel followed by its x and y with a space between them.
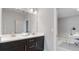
pixel 36 44
pixel 5 47
pixel 40 43
pixel 31 44
pixel 20 48
pixel 13 46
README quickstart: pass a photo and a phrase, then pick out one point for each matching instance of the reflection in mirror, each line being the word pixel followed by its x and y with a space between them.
pixel 14 21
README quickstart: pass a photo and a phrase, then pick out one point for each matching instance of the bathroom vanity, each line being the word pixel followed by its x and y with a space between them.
pixel 22 43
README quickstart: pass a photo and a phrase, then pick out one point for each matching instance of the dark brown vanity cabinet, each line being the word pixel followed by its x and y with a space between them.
pixel 36 44
pixel 31 44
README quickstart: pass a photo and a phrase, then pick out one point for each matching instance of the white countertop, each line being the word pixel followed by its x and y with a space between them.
pixel 10 37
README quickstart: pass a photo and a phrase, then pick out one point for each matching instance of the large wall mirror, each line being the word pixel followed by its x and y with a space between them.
pixel 15 21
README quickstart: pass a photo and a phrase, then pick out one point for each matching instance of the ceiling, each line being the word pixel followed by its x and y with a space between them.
pixel 67 12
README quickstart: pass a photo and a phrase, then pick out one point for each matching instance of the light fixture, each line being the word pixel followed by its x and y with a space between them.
pixel 33 10
pixel 77 9
pixel 18 8
pixel 30 10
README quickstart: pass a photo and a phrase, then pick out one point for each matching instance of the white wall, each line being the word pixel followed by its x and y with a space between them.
pixel 67 12
pixel 46 25
pixel 13 21
pixel 0 20
pixel 65 25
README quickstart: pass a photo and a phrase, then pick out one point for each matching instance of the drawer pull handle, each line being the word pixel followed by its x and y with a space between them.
pixel 31 40
pixel 32 46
